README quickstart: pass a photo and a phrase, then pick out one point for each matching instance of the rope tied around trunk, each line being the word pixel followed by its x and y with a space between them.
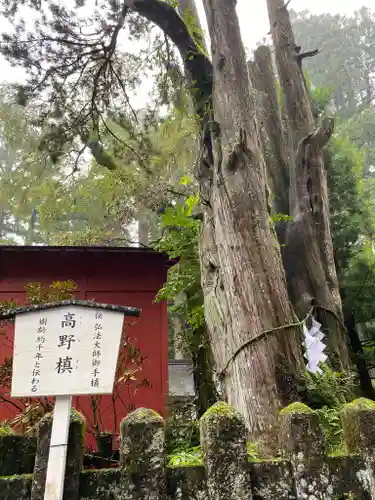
pixel 263 335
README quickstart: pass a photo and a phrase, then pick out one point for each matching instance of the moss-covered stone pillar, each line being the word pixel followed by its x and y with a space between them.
pixel 302 442
pixel 74 459
pixel 143 457
pixel 358 420
pixel 223 440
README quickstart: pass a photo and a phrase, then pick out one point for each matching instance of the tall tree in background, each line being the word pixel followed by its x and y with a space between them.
pixel 346 65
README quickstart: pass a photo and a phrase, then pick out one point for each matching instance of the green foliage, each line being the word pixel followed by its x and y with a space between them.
pixel 186 457
pixel 343 70
pixel 37 293
pixel 192 456
pixel 330 421
pixel 330 389
pixel 253 452
pixel 5 429
pixel 280 218
pixel 327 393
pixel 180 241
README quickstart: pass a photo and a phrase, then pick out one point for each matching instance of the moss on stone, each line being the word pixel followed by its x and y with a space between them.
pixel 142 416
pixel 220 409
pixel 76 416
pixel 358 419
pixel 26 477
pixel 360 404
pixel 99 484
pixel 296 407
pixel 17 487
pixel 17 454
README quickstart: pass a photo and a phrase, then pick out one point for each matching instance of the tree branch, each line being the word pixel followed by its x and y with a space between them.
pixel 310 53
pixel 197 64
pixel 323 134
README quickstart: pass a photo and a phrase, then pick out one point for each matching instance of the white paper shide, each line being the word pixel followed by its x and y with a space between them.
pixel 68 350
pixel 314 347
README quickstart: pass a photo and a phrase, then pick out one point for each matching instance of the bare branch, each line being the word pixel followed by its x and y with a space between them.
pixel 310 53
pixel 323 134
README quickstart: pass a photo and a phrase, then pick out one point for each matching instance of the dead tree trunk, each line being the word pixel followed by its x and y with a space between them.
pixel 263 79
pixel 308 254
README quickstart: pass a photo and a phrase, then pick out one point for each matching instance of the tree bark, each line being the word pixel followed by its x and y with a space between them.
pixel 255 341
pixel 242 275
pixel 263 79
pixel 308 253
pixel 189 8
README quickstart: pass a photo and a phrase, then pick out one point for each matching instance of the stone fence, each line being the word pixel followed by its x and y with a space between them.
pixel 304 471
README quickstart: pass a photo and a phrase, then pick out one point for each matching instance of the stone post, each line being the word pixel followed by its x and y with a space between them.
pixel 302 442
pixel 358 420
pixel 223 440
pixel 74 459
pixel 143 457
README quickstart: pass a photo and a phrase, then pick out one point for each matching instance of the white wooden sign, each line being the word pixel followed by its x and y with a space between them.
pixel 68 350
pixel 64 350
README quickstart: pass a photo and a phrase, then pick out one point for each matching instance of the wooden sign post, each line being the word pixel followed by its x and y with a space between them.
pixel 65 349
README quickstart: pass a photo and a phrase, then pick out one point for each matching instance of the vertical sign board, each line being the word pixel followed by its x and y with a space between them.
pixel 64 351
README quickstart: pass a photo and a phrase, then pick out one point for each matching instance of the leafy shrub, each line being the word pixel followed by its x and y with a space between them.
pixel 188 457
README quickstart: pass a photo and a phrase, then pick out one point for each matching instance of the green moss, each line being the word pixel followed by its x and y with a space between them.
pixel 146 412
pixel 26 477
pixel 264 460
pixel 360 404
pixel 142 415
pixel 103 472
pixel 296 407
pixel 218 409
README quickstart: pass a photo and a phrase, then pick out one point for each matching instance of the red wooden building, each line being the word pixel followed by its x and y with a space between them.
pixel 123 276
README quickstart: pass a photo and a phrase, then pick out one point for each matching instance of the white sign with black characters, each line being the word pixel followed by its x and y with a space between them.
pixel 68 350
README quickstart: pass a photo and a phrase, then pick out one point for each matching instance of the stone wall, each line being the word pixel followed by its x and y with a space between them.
pixel 304 471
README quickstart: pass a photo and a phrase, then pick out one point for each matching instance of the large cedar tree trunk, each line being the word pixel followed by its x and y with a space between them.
pixel 242 275
pixel 245 295
pixel 308 253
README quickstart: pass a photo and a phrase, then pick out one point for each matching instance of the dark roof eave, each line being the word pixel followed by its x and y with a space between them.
pixel 127 311
pixel 82 249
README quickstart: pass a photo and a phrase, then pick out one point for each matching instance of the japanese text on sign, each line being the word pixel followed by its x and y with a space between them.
pixel 69 350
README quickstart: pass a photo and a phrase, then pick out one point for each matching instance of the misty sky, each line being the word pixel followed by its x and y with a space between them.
pixel 253 21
